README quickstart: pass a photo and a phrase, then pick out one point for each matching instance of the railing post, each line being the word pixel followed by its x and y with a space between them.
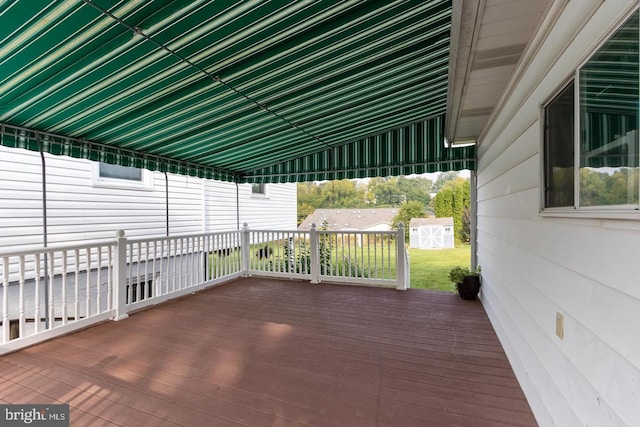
pixel 400 262
pixel 120 276
pixel 245 250
pixel 315 254
pixel 5 300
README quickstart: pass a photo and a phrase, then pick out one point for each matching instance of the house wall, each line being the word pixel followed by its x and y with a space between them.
pixel 80 209
pixel 535 266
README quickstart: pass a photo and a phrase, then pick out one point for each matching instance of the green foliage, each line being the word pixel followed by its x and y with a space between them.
pixel 458 273
pixel 601 188
pixel 454 200
pixel 342 194
pixel 300 261
pixel 393 191
pixel 325 248
pixel 408 210
pixel 442 179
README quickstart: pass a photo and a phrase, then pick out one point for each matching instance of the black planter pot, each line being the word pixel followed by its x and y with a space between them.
pixel 469 287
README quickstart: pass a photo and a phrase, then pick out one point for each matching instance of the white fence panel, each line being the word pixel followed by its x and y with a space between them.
pixel 51 291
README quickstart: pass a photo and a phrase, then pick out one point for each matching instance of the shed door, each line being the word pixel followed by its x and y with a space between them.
pixel 431 236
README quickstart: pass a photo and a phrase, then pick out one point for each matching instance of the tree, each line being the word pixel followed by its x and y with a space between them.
pixel 309 199
pixel 454 201
pixel 385 192
pixel 442 179
pixel 393 191
pixel 415 189
pixel 342 194
pixel 408 210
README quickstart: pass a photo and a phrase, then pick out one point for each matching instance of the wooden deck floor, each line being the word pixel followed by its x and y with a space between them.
pixel 262 352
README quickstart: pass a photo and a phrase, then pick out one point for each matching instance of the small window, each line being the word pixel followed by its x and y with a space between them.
pixel 116 176
pixel 258 189
pixel 591 145
pixel 107 170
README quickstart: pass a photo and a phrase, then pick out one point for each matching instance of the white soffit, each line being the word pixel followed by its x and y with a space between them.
pixel 488 39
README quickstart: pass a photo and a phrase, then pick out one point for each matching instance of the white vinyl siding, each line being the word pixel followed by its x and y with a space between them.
pixel 535 266
pixel 275 212
pixel 79 210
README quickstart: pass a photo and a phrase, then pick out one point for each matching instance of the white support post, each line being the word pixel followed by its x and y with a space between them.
pixel 120 277
pixel 473 180
pixel 400 254
pixel 245 250
pixel 315 254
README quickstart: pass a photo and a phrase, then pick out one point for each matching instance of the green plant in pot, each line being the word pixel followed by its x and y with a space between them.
pixel 467 281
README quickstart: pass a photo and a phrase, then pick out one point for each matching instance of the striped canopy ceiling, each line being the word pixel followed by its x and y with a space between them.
pixel 267 91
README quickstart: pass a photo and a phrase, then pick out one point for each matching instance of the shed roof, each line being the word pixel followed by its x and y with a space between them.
pixel 416 222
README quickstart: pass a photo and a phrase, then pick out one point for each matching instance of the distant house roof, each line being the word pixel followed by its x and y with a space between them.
pixel 416 222
pixel 349 219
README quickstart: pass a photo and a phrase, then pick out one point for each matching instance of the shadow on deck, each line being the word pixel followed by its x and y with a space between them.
pixel 265 352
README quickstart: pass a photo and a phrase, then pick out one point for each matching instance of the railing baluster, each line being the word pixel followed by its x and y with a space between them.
pixel 88 283
pixel 109 277
pixel 146 279
pixel 5 300
pixel 36 315
pixel 99 281
pixel 21 281
pixel 77 284
pixel 161 277
pixel 64 287
pixel 154 282
pixel 50 286
pixel 137 292
pixel 193 262
pixel 174 270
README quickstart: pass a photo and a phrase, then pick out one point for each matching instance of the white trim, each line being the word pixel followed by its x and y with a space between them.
pixel 630 214
pixel 550 16
pixel 264 195
pixel 146 184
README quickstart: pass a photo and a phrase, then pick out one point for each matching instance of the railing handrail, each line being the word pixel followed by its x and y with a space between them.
pixel 58 248
pixel 181 236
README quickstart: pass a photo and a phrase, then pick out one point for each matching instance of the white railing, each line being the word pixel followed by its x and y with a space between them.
pixel 53 291
pixel 348 257
pixel 279 253
pixel 158 269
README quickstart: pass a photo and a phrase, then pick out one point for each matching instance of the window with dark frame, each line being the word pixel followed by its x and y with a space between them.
pixel 558 149
pixel 607 144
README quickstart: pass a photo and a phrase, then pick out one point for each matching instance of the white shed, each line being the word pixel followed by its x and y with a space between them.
pixel 431 233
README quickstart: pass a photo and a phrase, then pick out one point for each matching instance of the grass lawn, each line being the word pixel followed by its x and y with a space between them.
pixel 430 268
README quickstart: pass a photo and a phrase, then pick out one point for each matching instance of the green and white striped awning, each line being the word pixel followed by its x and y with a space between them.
pixel 250 91
pixel 401 151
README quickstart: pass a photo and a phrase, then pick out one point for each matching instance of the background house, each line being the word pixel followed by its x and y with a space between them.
pixel 431 233
pixel 379 219
pixel 84 203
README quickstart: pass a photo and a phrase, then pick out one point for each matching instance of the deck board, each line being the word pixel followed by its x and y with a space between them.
pixel 263 352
